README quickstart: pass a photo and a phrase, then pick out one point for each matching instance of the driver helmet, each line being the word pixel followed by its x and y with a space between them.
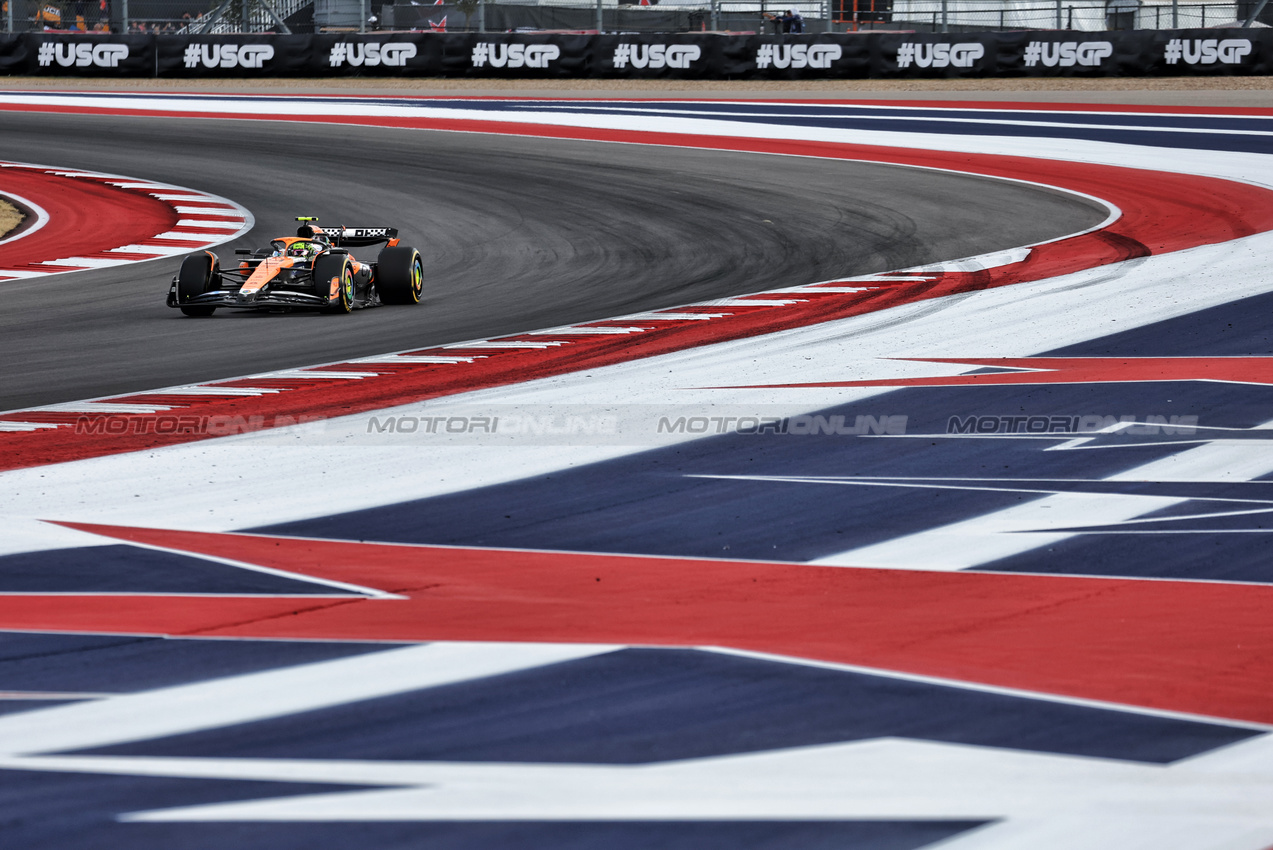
pixel 301 249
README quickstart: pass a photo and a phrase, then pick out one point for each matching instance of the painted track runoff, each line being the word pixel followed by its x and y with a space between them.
pixel 965 550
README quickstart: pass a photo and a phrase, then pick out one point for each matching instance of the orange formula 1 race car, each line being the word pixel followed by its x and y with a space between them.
pixel 312 270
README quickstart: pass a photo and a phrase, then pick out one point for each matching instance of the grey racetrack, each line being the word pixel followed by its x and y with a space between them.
pixel 516 233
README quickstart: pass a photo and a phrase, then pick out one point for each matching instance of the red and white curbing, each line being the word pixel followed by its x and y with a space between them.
pixel 526 348
pixel 1179 212
pixel 203 220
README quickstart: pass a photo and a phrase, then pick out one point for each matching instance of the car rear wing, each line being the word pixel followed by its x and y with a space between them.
pixel 352 237
pixel 355 236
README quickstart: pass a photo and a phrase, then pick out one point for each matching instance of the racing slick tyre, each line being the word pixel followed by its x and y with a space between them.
pixel 199 273
pixel 336 266
pixel 399 275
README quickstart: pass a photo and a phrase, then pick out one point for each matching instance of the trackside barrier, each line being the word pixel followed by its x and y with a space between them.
pixel 1139 53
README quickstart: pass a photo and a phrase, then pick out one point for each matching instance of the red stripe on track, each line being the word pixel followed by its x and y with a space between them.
pixel 1191 647
pixel 120 255
pixel 953 106
pixel 86 217
pixel 1161 212
pixel 194 243
pixel 36 267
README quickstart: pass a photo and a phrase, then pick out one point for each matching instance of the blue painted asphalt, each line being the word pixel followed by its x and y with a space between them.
pixel 639 706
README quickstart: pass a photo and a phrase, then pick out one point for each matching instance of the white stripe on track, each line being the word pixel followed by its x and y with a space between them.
pixel 272 693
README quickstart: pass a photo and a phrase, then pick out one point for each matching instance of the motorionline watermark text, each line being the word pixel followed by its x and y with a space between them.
pixel 1090 423
pixel 633 422
pixel 804 424
pixel 614 424
pixel 213 425
pixel 579 424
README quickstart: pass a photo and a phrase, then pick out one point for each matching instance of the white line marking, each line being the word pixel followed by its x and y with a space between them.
pixel 210 225
pixel 273 693
pixel 157 250
pixel 587 331
pixel 195 239
pixel 1215 801
pixel 86 262
pixel 498 343
pixel 211 390
pixel 102 407
pixel 27 426
pixel 1021 528
pixel 414 358
pixel 211 209
pixel 671 317
pixel 846 290
pixel 289 374
pixel 744 301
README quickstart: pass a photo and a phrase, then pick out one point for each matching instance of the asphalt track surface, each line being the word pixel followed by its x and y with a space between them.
pixel 632 548
pixel 517 234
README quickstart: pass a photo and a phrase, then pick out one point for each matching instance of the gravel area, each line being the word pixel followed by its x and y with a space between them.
pixel 10 218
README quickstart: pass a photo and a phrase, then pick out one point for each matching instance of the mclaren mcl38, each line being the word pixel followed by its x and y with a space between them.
pixel 312 270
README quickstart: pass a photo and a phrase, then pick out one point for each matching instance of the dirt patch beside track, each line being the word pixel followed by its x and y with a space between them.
pixel 10 218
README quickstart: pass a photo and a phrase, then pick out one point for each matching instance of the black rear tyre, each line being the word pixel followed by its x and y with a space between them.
pixel 399 275
pixel 335 267
pixel 199 273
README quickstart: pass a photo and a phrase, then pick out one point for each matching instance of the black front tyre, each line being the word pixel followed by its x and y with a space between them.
pixel 333 271
pixel 199 273
pixel 399 275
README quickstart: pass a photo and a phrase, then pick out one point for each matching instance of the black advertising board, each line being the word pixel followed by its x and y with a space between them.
pixel 1219 52
pixel 96 55
pixel 929 55
pixel 235 55
pixel 1135 53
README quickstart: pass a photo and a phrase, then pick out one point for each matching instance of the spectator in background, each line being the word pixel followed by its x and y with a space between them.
pixel 49 16
pixel 788 21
